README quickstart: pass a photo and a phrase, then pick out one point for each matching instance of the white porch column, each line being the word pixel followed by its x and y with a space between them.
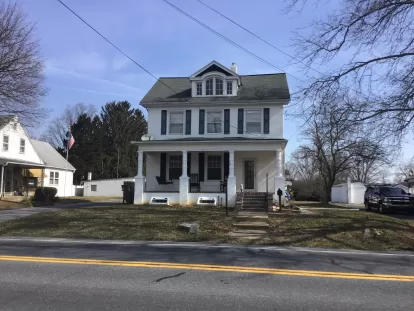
pixel 139 181
pixel 184 181
pixel 2 182
pixel 231 181
pixel 279 178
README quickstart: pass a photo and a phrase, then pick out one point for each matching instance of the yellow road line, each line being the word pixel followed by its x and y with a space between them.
pixel 145 264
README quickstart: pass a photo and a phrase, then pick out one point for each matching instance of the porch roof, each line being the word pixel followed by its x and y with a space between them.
pixel 23 163
pixel 205 143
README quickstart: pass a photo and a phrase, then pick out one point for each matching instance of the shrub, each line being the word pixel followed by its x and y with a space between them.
pixel 45 194
pixel 27 202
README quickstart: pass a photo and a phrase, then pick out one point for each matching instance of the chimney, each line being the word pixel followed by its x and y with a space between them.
pixel 234 67
pixel 89 175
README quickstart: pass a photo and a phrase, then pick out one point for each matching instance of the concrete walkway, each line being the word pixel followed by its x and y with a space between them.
pixel 251 226
pixel 17 213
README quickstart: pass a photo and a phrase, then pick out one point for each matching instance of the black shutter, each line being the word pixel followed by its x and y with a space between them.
pixel 201 122
pixel 188 122
pixel 266 121
pixel 163 122
pixel 188 163
pixel 240 121
pixel 163 165
pixel 226 164
pixel 201 166
pixel 226 121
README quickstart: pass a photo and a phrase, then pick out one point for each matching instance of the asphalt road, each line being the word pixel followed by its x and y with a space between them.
pixel 61 286
pixel 48 286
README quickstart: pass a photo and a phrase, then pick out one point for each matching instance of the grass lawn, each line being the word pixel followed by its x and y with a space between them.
pixel 312 204
pixel 341 229
pixel 124 222
pixel 9 204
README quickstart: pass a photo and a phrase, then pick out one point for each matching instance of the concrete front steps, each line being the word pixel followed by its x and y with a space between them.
pixel 251 225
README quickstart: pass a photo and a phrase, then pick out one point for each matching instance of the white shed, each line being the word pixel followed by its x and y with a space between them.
pixel 104 187
pixel 352 193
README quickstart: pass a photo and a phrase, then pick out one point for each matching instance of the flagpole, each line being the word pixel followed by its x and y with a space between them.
pixel 66 165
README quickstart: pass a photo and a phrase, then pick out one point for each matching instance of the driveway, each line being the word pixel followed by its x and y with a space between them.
pixel 17 213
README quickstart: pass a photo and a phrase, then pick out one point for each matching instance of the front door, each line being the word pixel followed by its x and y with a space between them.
pixel 249 174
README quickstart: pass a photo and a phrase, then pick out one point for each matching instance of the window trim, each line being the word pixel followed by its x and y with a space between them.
pixel 7 144
pixel 53 178
pixel 221 155
pixel 199 84
pixel 227 87
pixel 169 122
pixel 207 113
pixel 212 85
pixel 261 121
pixel 24 146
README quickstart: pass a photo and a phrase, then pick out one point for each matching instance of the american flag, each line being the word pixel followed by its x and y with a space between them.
pixel 70 139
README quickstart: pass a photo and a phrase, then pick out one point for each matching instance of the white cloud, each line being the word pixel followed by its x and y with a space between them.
pixel 120 62
pixel 81 61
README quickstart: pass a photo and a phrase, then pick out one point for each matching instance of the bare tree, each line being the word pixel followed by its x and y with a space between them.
pixel 21 67
pixel 56 131
pixel 301 167
pixel 337 145
pixel 374 41
pixel 404 170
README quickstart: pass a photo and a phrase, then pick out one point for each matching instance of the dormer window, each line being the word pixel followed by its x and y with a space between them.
pixel 219 86
pixel 209 86
pixel 199 88
pixel 229 88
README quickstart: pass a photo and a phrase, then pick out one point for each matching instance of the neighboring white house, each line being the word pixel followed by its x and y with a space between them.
pixel 27 163
pixel 104 187
pixel 212 126
pixel 350 192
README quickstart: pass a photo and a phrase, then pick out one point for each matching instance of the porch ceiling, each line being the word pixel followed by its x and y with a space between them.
pixel 212 144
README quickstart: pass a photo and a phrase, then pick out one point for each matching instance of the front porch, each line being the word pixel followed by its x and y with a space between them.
pixel 185 171
pixel 20 178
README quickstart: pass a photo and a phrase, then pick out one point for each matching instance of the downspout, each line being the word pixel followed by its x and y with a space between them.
pixel 2 177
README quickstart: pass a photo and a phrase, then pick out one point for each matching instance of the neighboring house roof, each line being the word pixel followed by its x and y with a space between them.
pixel 50 156
pixel 253 87
pixel 20 162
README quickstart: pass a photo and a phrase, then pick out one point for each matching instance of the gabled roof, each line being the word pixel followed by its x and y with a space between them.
pixel 50 156
pixel 252 88
pixel 214 66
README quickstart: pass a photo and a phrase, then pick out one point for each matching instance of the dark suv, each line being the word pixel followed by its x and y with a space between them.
pixel 388 198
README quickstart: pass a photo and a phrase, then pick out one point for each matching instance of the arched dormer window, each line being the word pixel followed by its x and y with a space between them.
pixel 209 86
pixel 219 86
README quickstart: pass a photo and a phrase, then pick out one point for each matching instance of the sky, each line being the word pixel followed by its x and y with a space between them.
pixel 81 67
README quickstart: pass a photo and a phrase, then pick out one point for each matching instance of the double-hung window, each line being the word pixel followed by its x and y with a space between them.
pixel 209 86
pixel 22 145
pixel 176 122
pixel 229 88
pixel 214 122
pixel 219 86
pixel 5 143
pixel 214 167
pixel 175 166
pixel 199 88
pixel 54 178
pixel 253 119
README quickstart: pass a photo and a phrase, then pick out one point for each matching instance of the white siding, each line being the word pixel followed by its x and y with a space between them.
pixel 339 193
pixel 65 189
pixel 357 193
pixel 105 187
pixel 275 121
pixel 15 133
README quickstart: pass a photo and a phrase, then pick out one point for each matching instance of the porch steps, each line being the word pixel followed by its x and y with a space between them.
pixel 251 223
pixel 249 235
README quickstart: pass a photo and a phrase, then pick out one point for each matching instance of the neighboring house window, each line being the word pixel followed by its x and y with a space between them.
pixel 54 178
pixel 5 143
pixel 214 122
pixel 94 188
pixel 176 122
pixel 199 88
pixel 229 87
pixel 219 86
pixel 209 87
pixel 253 121
pixel 175 166
pixel 22 145
pixel 214 167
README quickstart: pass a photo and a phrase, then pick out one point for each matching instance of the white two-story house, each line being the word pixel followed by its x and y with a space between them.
pixel 27 163
pixel 212 128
